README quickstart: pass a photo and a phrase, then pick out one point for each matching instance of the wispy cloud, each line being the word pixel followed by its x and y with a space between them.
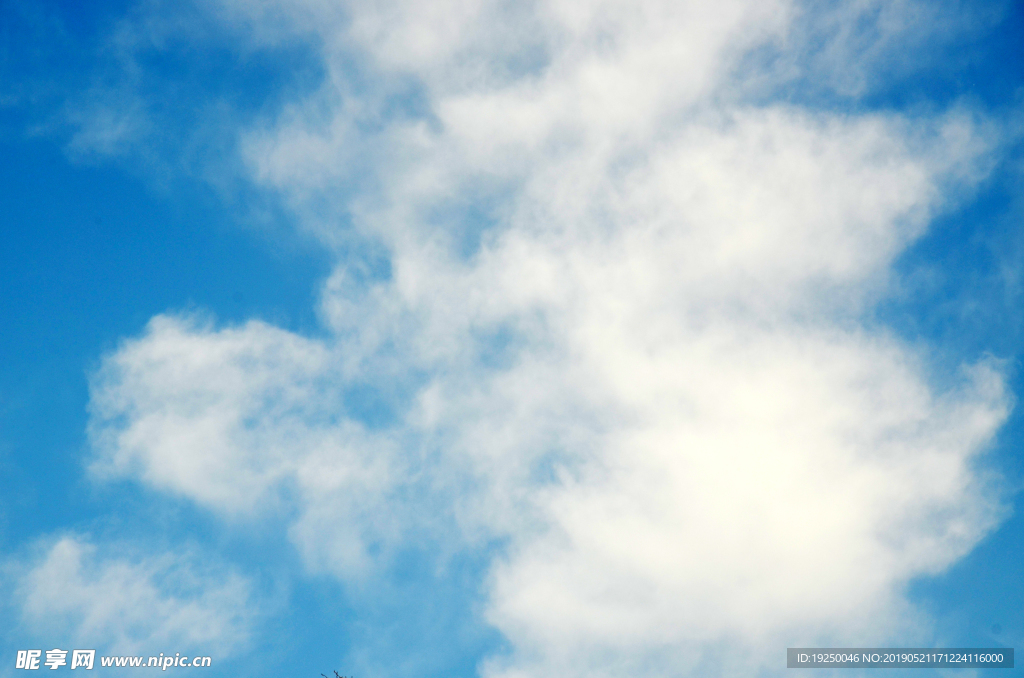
pixel 100 596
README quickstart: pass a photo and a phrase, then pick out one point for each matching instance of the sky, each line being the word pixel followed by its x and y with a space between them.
pixel 510 339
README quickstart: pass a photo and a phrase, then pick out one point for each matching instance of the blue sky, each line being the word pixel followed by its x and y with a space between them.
pixel 559 338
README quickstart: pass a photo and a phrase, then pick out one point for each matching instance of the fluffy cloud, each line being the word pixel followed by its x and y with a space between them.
pixel 621 329
pixel 132 604
pixel 233 418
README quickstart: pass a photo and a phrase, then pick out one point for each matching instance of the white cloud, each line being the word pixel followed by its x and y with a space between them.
pixel 624 331
pixel 232 418
pixel 100 597
pixel 174 422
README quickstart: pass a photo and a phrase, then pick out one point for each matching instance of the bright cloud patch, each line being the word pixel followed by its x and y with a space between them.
pixel 623 333
pixel 134 605
pixel 231 418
